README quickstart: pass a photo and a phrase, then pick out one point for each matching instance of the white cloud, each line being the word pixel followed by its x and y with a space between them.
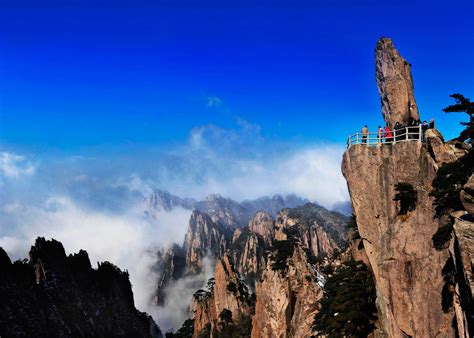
pixel 241 165
pixel 11 208
pixel 213 101
pixel 13 165
pixel 179 297
pixel 313 173
pixel 80 178
pixel 128 240
pixel 135 183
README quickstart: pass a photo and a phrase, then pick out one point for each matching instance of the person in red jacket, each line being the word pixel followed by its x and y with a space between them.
pixel 388 135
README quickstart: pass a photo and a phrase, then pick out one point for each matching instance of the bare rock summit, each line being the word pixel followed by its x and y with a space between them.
pixel 395 84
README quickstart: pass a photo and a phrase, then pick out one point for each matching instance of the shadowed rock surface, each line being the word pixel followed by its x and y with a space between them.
pixel 54 295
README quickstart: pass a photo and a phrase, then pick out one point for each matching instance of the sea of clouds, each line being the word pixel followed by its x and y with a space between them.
pixel 96 200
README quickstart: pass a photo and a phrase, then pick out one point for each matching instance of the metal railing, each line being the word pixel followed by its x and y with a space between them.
pixel 410 133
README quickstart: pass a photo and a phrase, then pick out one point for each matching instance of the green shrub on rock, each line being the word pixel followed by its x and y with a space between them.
pixel 348 306
pixel 407 196
pixel 442 236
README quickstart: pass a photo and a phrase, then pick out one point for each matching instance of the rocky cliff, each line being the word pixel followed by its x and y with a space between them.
pixel 321 231
pixel 395 84
pixel 226 211
pixel 224 309
pixel 171 265
pixel 204 237
pixel 262 224
pixel 399 247
pixel 414 280
pixel 287 295
pixel 54 295
pixel 249 245
pixel 278 260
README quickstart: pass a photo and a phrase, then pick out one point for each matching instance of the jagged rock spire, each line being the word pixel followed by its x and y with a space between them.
pixel 395 84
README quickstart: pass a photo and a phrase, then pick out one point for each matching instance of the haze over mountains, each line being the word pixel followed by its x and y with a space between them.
pixel 226 210
pixel 218 227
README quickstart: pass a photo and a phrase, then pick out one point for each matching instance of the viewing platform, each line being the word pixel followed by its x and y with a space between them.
pixel 403 134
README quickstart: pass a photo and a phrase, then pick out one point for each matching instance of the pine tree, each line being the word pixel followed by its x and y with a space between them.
pixel 463 105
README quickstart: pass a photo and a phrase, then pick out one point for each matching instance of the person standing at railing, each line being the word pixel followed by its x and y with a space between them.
pixel 417 129
pixel 380 134
pixel 388 135
pixel 398 131
pixel 412 129
pixel 424 128
pixel 365 132
pixel 432 124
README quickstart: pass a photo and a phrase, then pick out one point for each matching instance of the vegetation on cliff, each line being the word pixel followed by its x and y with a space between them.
pixel 282 250
pixel 449 182
pixel 186 330
pixel 451 177
pixel 442 236
pixel 407 196
pixel 348 307
pixel 447 293
pixel 463 105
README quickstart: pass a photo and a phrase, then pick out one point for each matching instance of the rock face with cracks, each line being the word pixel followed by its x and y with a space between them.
pixel 321 231
pixel 414 281
pixel 407 269
pixel 203 236
pixel 287 302
pixel 262 224
pixel 395 84
pixel 226 306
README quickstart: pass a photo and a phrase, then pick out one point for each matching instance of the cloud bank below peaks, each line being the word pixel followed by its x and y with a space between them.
pixel 241 164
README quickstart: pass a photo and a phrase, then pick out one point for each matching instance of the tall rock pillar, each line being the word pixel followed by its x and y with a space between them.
pixel 394 83
pixel 407 269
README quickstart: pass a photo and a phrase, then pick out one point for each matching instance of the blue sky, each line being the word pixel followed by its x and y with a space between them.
pixel 243 98
pixel 77 75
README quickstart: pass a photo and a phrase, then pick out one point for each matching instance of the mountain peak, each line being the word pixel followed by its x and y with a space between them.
pixel 395 84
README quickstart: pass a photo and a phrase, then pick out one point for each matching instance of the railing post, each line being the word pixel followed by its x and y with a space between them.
pixel 406 133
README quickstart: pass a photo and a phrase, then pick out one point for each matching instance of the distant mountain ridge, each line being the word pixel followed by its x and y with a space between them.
pixel 223 210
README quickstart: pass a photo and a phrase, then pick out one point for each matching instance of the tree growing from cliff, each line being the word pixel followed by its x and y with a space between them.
pixel 348 306
pixel 226 316
pixel 448 184
pixel 186 330
pixel 463 105
pixel 407 196
pixel 442 236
